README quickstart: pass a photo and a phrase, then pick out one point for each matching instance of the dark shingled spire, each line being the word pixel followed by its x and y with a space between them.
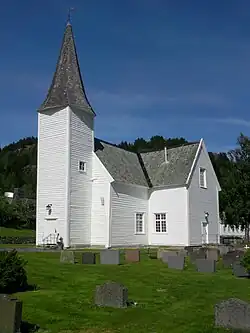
pixel 67 87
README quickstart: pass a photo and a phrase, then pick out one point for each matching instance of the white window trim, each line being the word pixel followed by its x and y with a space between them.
pixel 143 224
pixel 205 177
pixel 85 166
pixel 160 232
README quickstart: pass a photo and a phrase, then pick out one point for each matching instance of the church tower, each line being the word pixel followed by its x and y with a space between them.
pixel 65 152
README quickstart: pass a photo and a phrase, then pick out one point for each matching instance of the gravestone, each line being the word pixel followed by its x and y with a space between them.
pixel 176 262
pixel 197 255
pixel 111 294
pixel 224 249
pixel 10 314
pixel 212 254
pixel 182 252
pixel 239 270
pixel 206 265
pixel 233 314
pixel 88 258
pixel 166 254
pixel 159 253
pixel 110 257
pixel 132 255
pixel 67 257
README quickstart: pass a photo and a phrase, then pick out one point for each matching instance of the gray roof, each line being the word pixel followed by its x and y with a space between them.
pixel 67 87
pixel 149 168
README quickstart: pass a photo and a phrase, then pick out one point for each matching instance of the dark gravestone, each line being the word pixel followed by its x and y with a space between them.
pixel 176 262
pixel 132 255
pixel 67 257
pixel 10 314
pixel 232 256
pixel 110 257
pixel 206 265
pixel 166 254
pixel 88 258
pixel 111 294
pixel 212 254
pixel 233 314
pixel 239 270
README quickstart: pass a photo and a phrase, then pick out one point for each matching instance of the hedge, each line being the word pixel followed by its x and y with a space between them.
pixel 17 240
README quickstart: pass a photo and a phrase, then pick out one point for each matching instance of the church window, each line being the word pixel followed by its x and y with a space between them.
pixel 139 223
pixel 161 222
pixel 82 166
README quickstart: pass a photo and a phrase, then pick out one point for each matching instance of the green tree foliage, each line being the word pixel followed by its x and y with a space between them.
pixel 18 166
pixel 156 142
pixel 21 213
pixel 236 186
pixel 13 277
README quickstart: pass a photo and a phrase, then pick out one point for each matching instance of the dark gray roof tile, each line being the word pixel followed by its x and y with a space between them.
pixel 147 169
pixel 67 87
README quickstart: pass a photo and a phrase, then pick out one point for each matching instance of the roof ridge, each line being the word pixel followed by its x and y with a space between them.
pixel 172 147
pixel 115 145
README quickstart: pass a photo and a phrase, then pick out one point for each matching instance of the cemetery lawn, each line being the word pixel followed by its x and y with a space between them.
pixel 11 232
pixel 167 300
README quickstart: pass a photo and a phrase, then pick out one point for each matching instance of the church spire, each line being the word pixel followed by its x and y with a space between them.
pixel 67 87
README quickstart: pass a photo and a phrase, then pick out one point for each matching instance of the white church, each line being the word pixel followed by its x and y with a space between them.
pixel 92 193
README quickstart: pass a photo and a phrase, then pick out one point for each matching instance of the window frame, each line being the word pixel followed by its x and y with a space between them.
pixel 204 170
pixel 160 220
pixel 85 166
pixel 143 223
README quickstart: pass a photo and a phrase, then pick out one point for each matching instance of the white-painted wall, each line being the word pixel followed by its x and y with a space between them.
pixel 173 202
pixel 100 220
pixel 203 200
pixel 80 200
pixel 51 173
pixel 126 201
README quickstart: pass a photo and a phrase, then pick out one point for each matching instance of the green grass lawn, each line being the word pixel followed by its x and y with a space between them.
pixel 10 232
pixel 168 300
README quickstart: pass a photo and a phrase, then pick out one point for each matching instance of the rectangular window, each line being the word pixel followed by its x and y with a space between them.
pixel 203 178
pixel 139 223
pixel 82 166
pixel 161 222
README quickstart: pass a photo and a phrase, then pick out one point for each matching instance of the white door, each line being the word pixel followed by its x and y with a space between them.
pixel 204 233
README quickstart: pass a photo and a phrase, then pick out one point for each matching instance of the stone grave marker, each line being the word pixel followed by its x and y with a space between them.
pixel 206 265
pixel 110 257
pixel 166 254
pixel 212 253
pixel 176 262
pixel 88 258
pixel 233 314
pixel 10 314
pixel 132 255
pixel 224 249
pixel 239 270
pixel 159 253
pixel 197 255
pixel 67 257
pixel 111 294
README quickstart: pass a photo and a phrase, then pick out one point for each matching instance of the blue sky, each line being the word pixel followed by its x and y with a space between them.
pixel 150 67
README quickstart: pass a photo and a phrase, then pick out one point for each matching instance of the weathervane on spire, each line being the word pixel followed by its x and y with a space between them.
pixel 69 15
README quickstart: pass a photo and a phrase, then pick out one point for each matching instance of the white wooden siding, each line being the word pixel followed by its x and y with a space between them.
pixel 81 149
pixel 126 201
pixel 100 221
pixel 51 176
pixel 203 200
pixel 173 202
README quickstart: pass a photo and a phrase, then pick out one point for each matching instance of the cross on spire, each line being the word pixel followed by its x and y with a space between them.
pixel 71 9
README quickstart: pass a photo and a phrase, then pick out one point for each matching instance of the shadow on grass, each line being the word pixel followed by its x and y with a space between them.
pixel 28 327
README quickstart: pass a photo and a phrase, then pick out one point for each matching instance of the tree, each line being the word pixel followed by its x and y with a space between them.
pixel 236 191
